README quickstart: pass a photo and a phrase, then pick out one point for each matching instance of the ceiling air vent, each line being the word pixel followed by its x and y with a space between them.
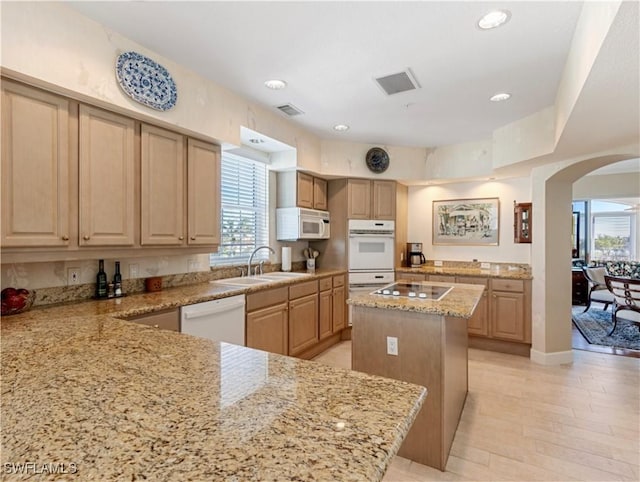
pixel 289 109
pixel 396 83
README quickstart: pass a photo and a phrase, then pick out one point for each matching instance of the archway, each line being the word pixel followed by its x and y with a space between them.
pixel 551 254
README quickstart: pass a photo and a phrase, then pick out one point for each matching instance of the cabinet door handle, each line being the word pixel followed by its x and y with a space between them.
pixel 495 296
pixel 65 238
pixel 193 238
pixel 180 238
pixel 86 238
pixel 156 326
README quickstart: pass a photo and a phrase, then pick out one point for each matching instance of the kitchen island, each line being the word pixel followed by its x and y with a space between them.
pixel 99 398
pixel 429 339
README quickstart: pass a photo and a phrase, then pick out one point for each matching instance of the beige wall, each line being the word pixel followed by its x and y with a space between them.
pixel 420 219
pixel 607 186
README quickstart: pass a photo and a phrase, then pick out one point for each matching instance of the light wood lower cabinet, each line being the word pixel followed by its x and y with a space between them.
pixel 267 329
pixel 36 167
pixel 442 278
pixel 107 178
pixel 478 324
pixel 507 315
pixel 163 320
pixel 301 320
pixel 325 314
pixel 303 323
pixel 339 309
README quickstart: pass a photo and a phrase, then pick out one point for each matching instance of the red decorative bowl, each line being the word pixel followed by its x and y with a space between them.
pixel 16 301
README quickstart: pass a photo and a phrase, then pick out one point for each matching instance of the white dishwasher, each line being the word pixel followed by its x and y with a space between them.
pixel 218 320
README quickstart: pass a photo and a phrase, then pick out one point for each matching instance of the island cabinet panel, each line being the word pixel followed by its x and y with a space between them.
pixel 203 187
pixel 163 320
pixel 507 320
pixel 432 352
pixel 107 178
pixel 36 167
pixel 163 165
pixel 267 329
pixel 478 324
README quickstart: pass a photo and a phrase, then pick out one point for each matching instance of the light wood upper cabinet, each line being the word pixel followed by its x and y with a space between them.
pixel 304 191
pixel 203 185
pixel 371 199
pixel 320 194
pixel 107 178
pixel 384 200
pixel 162 192
pixel 359 199
pixel 299 189
pixel 36 162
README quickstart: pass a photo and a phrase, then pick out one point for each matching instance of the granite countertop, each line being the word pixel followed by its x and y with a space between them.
pixel 116 400
pixel 494 272
pixel 143 303
pixel 460 302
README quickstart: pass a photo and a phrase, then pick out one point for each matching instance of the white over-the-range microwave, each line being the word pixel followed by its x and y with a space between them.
pixel 300 223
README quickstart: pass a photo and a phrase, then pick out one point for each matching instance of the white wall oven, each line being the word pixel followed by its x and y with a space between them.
pixel 371 247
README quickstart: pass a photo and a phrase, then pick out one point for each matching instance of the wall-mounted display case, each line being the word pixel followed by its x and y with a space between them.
pixel 522 222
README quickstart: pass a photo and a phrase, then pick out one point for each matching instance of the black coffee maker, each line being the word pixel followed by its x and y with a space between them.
pixel 415 258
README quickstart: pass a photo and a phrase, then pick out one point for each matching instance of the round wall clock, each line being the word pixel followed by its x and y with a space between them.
pixel 377 160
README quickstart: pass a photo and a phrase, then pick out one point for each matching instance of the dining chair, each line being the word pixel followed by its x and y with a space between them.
pixel 597 287
pixel 626 293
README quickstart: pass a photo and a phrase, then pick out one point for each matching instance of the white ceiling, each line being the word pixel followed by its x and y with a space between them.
pixel 329 53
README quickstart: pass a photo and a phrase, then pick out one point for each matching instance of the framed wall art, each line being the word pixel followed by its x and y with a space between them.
pixel 466 222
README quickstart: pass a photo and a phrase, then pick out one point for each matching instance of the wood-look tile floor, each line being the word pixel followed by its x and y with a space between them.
pixel 523 421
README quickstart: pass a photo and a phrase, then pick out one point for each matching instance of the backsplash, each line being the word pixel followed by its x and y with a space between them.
pixel 49 279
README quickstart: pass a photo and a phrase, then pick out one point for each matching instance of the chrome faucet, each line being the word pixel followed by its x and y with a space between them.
pixel 254 252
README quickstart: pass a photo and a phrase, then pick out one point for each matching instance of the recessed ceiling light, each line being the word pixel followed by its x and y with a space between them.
pixel 500 97
pixel 494 19
pixel 275 84
pixel 255 140
pixel 341 127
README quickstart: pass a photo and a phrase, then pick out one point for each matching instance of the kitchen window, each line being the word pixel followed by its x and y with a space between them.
pixel 244 210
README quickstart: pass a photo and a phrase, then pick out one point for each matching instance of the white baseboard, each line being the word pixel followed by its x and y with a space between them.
pixel 554 358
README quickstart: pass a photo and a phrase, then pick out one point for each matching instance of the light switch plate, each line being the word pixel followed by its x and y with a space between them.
pixel 485 265
pixel 437 263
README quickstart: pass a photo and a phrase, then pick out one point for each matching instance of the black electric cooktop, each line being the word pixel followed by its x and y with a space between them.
pixel 414 290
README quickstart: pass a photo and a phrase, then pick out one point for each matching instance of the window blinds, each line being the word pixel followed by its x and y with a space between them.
pixel 244 204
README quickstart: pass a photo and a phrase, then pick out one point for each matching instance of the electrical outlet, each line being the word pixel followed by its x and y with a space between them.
pixel 73 276
pixel 437 263
pixel 392 345
pixel 485 265
pixel 133 270
pixel 193 265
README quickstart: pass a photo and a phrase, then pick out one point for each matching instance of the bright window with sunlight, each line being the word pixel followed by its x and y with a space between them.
pixel 244 202
pixel 613 227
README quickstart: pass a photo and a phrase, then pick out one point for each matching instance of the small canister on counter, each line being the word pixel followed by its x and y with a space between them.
pixel 153 284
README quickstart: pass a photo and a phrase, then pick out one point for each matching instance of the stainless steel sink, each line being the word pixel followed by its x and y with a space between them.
pixel 260 279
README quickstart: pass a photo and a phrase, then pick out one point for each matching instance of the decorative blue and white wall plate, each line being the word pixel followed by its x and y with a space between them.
pixel 146 81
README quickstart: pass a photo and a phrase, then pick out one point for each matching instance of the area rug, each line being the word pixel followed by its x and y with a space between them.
pixel 595 324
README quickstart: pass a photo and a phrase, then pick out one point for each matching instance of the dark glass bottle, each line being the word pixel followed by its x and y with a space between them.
pixel 101 281
pixel 117 280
